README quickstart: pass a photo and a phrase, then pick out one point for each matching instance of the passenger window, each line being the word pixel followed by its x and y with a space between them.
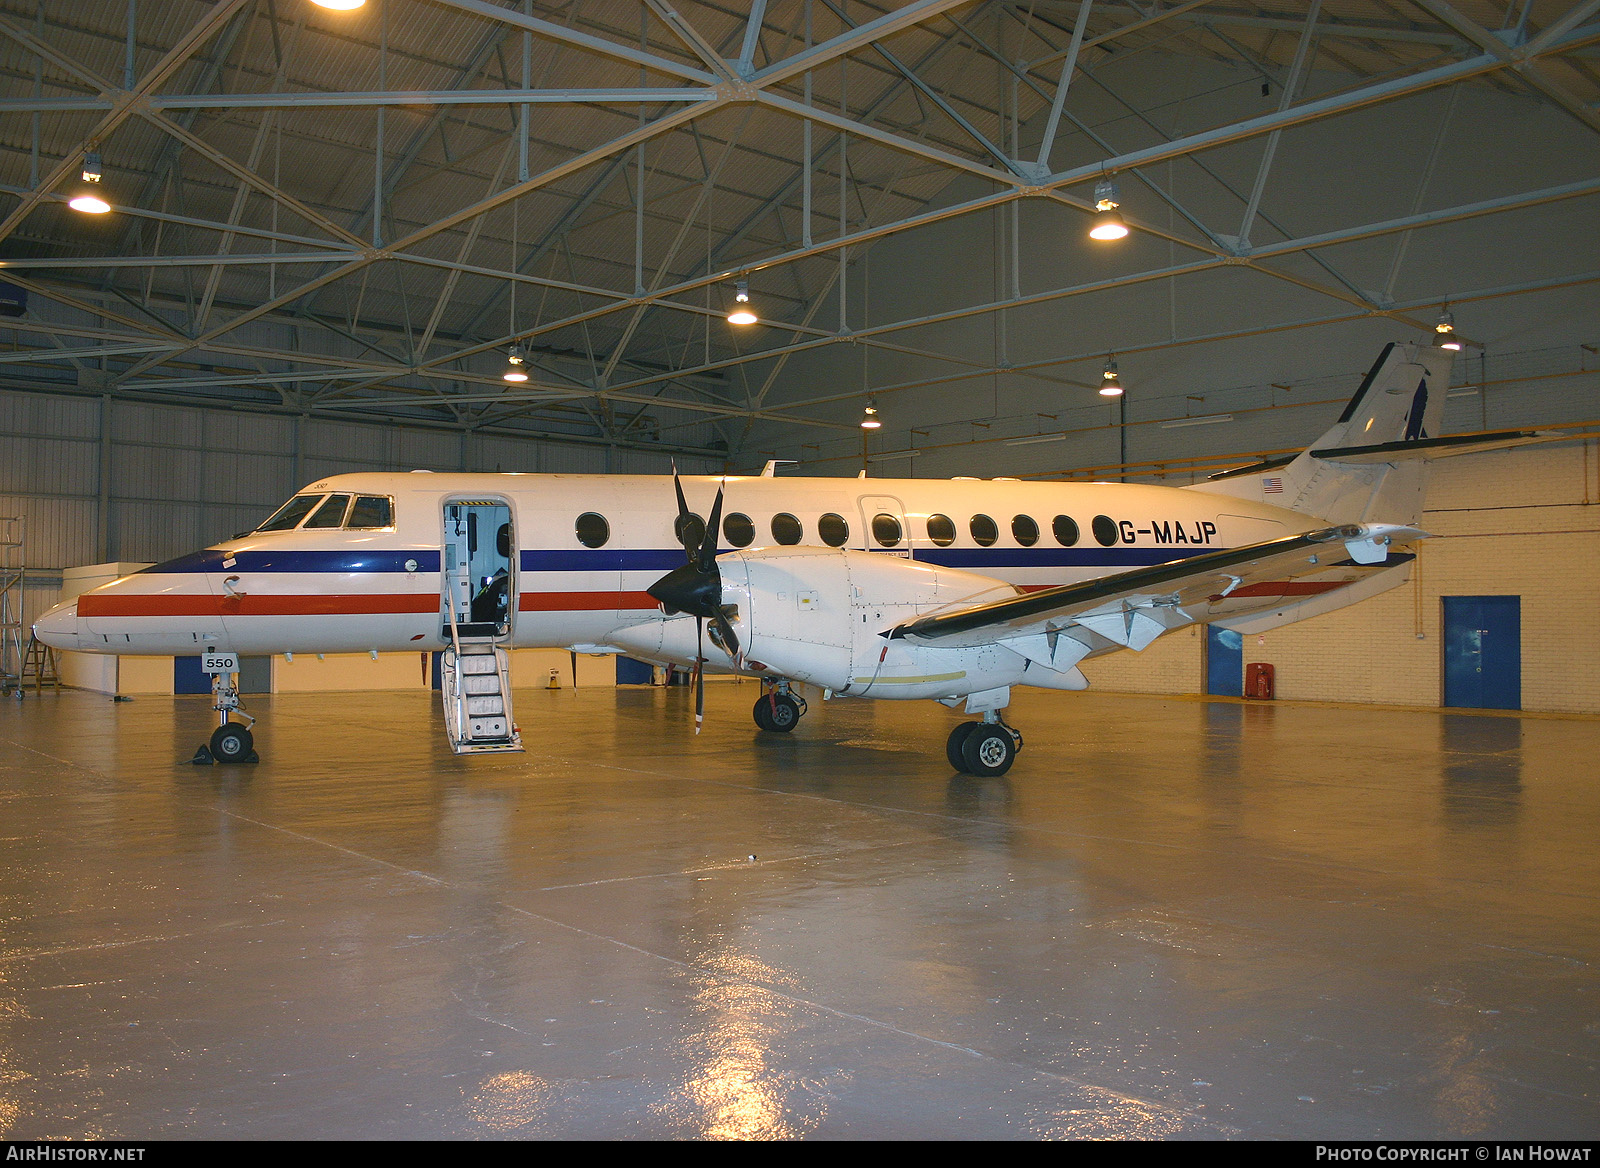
pixel 1066 530
pixel 330 514
pixel 886 529
pixel 371 511
pixel 1024 530
pixel 738 530
pixel 1105 530
pixel 984 531
pixel 833 529
pixel 786 529
pixel 592 529
pixel 941 530
pixel 288 516
pixel 690 530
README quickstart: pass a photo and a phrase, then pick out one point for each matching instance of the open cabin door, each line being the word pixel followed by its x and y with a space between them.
pixel 479 567
pixel 479 602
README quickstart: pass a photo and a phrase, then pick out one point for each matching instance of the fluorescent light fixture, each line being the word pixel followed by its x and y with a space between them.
pixel 1207 420
pixel 1036 438
pixel 1462 393
pixel 893 455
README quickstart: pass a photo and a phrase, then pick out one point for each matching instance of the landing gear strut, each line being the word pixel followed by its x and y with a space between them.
pixel 230 742
pixel 986 749
pixel 778 709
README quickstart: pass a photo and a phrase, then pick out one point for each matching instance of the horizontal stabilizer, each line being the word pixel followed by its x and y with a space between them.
pixel 1436 447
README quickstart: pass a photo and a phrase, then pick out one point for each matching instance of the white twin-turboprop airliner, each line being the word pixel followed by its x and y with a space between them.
pixel 950 590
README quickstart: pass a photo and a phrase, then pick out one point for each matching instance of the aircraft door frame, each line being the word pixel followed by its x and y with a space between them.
pixel 468 550
pixel 872 505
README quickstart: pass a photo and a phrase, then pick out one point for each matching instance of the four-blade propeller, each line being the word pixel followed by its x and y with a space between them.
pixel 696 588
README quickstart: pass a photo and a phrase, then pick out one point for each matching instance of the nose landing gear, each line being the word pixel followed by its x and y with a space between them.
pixel 230 742
pixel 777 709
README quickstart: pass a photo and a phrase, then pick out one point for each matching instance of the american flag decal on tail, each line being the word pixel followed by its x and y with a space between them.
pixel 1272 486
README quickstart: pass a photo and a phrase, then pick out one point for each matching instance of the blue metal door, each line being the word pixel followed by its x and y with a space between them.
pixel 1483 652
pixel 1224 662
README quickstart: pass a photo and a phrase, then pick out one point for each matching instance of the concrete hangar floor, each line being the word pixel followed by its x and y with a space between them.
pixel 1173 918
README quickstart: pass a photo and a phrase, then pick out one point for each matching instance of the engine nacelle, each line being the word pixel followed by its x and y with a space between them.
pixel 816 615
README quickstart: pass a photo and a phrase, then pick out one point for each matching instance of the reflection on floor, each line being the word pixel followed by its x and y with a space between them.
pixel 1172 918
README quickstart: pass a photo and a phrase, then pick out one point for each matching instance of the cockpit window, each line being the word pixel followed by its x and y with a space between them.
pixel 291 513
pixel 331 513
pixel 371 511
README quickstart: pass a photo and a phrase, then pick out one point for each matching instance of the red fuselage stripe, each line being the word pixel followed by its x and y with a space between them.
pixel 257 605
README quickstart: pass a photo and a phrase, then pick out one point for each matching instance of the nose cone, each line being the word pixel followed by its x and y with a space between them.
pixel 58 628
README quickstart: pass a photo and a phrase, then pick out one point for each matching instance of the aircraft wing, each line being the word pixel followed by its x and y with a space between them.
pixel 1057 627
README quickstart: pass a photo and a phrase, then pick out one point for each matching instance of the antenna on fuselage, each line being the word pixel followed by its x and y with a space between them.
pixel 770 471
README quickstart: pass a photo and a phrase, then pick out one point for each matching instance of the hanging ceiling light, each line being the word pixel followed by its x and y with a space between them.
pixel 515 370
pixel 89 197
pixel 1444 331
pixel 742 312
pixel 1110 383
pixel 870 419
pixel 1108 223
pixel 339 5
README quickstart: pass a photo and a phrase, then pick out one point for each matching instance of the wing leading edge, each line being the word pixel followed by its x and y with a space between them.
pixel 1131 609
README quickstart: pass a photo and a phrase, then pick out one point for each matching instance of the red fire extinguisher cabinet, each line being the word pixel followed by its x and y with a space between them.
pixel 1259 680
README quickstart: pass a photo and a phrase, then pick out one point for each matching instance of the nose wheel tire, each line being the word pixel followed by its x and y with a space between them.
pixel 989 750
pixel 778 713
pixel 231 743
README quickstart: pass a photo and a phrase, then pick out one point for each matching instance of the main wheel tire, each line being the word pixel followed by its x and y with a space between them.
pixel 783 714
pixel 231 743
pixel 958 739
pixel 989 750
pixel 763 713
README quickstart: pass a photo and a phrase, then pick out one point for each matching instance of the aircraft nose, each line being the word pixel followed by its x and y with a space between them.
pixel 58 628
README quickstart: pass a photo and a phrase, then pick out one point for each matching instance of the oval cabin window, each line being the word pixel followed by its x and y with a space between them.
pixel 1105 530
pixel 984 531
pixel 592 530
pixel 833 529
pixel 1066 530
pixel 886 529
pixel 786 529
pixel 941 530
pixel 738 530
pixel 1025 530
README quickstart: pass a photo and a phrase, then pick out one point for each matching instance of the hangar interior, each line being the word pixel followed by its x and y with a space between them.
pixel 329 237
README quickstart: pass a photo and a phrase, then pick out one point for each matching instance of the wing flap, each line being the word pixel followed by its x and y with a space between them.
pixel 1057 627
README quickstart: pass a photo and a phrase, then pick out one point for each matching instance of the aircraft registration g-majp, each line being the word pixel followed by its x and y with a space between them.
pixel 950 590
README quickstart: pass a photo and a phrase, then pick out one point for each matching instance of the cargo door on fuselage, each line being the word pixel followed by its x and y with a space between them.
pixel 479 558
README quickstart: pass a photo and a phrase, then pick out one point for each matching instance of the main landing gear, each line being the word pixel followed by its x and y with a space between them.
pixel 986 749
pixel 230 741
pixel 778 709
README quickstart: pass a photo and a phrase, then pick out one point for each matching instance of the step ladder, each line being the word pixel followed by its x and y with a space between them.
pixel 40 665
pixel 475 681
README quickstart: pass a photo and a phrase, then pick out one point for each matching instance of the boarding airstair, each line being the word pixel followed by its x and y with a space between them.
pixel 475 679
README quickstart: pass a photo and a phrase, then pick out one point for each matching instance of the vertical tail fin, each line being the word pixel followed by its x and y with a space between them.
pixel 1400 400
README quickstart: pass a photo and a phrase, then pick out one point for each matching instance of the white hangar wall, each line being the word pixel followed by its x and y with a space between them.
pixel 1510 523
